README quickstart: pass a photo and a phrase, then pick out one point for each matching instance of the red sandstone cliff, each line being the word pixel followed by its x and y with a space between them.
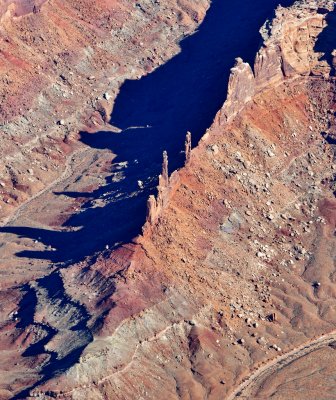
pixel 288 52
pixel 235 266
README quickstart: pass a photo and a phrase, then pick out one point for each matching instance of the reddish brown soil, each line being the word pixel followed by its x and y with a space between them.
pixel 235 267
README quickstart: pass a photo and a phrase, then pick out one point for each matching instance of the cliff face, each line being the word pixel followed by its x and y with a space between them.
pixel 235 269
pixel 235 266
pixel 290 50
pixel 61 67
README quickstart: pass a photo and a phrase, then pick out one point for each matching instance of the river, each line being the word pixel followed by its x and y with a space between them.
pixel 182 95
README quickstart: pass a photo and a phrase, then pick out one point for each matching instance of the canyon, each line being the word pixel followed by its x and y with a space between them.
pixel 167 200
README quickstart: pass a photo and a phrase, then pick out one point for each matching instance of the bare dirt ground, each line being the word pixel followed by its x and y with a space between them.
pixel 230 290
pixel 265 382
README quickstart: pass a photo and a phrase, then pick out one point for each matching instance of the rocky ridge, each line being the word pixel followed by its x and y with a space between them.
pixel 236 263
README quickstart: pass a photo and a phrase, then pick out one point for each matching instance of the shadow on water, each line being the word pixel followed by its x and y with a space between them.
pixel 154 114
pixel 326 41
pixel 77 318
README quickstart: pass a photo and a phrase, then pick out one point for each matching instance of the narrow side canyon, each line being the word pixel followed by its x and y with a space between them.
pixel 226 289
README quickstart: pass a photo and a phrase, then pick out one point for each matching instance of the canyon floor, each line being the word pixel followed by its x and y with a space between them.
pixel 140 261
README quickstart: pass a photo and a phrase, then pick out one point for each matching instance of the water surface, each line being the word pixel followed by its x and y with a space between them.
pixel 182 95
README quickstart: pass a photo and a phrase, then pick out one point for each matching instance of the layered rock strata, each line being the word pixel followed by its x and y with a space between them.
pixel 235 269
pixel 61 67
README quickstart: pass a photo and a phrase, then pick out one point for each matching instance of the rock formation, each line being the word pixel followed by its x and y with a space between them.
pixel 59 64
pixel 230 289
pixel 164 178
pixel 187 146
pixel 241 89
pixel 166 188
pixel 287 52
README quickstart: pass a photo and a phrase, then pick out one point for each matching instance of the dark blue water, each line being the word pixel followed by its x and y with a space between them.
pixel 183 95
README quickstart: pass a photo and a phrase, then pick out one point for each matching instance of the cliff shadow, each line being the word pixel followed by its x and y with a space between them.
pixel 154 114
pixel 326 41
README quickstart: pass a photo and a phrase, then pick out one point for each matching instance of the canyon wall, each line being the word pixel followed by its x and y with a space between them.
pixel 61 67
pixel 236 262
pixel 288 51
pixel 235 266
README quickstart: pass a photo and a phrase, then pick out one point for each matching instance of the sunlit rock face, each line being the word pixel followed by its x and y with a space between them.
pixel 229 291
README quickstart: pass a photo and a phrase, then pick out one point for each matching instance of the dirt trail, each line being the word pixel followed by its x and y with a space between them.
pixel 65 175
pixel 247 388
